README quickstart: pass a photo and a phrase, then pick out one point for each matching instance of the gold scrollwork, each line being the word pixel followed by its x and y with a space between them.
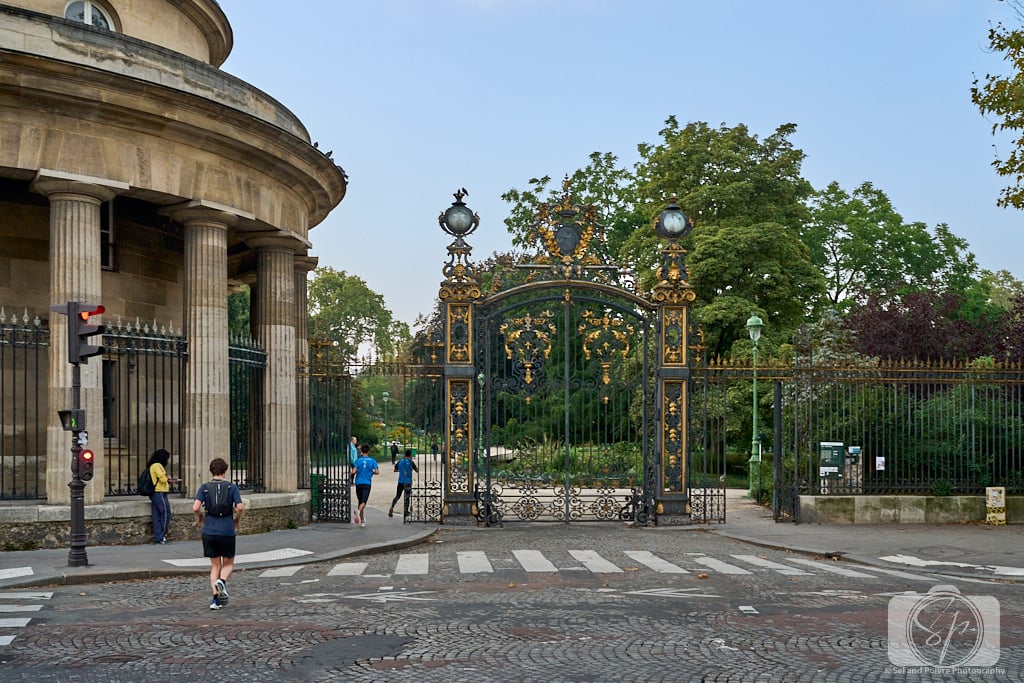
pixel 604 337
pixel 528 339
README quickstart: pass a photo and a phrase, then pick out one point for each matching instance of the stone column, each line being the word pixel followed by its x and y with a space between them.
pixel 75 275
pixel 275 330
pixel 207 386
pixel 303 264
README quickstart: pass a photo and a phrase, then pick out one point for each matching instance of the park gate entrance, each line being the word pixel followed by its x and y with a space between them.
pixel 567 394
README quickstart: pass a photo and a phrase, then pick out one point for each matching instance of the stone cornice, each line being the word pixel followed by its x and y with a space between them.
pixel 207 15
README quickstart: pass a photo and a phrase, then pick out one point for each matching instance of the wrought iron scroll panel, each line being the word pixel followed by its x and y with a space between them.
pixel 565 415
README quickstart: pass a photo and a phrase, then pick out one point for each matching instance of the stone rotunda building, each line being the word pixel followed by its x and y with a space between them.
pixel 137 175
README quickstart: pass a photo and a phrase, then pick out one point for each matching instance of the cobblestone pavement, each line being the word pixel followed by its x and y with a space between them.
pixel 478 614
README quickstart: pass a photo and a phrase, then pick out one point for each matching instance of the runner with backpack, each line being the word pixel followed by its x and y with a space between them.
pixel 219 499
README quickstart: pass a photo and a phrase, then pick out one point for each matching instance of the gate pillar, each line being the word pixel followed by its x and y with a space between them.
pixel 673 295
pixel 458 293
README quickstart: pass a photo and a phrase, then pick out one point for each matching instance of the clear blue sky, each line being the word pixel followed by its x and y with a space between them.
pixel 417 98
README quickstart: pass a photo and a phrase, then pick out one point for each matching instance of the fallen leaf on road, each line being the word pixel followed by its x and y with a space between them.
pixel 702 575
pixel 632 569
pixel 511 585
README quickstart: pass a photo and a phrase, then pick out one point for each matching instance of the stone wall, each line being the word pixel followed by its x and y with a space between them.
pixel 903 509
pixel 127 521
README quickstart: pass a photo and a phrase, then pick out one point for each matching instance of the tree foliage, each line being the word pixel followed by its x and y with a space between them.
pixel 1000 97
pixel 344 309
pixel 862 244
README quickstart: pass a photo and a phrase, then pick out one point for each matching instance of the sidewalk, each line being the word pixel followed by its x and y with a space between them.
pixel 964 550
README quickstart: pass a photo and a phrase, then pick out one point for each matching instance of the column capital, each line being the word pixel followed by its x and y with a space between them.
pixel 305 263
pixel 279 241
pixel 202 211
pixel 51 183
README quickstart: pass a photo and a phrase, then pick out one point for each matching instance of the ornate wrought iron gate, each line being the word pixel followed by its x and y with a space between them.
pixel 566 408
pixel 328 387
pixel 567 394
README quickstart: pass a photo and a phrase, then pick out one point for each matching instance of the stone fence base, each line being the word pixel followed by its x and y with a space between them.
pixel 127 521
pixel 903 509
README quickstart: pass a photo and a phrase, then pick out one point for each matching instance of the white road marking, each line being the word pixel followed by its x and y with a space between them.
pixel 20 608
pixel 674 593
pixel 15 622
pixel 392 597
pixel 748 609
pixel 26 595
pixel 6 640
pixel 347 569
pixel 768 564
pixel 654 562
pixel 594 562
pixel 474 562
pixel 996 569
pixel 280 571
pixel 269 556
pixel 832 567
pixel 719 566
pixel 534 561
pixel 413 563
pixel 15 572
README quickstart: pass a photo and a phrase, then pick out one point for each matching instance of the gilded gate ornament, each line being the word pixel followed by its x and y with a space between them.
pixel 604 337
pixel 528 344
pixel 566 231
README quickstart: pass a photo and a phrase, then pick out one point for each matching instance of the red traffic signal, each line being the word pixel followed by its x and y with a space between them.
pixel 86 460
pixel 79 331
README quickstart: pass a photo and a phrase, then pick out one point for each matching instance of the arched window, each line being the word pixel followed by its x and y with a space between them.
pixel 88 12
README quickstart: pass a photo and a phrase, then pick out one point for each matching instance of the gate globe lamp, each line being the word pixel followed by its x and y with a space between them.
pixel 754 325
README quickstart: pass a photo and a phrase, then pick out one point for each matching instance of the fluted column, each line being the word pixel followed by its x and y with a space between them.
pixel 75 275
pixel 303 264
pixel 206 428
pixel 275 330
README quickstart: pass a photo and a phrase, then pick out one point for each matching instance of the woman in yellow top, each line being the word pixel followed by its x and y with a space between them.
pixel 160 504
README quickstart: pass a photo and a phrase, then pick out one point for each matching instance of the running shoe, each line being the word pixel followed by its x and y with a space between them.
pixel 222 591
pixel 215 603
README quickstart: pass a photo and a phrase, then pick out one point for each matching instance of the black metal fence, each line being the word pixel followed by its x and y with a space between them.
pixel 247 362
pixel 24 359
pixel 143 391
pixel 882 428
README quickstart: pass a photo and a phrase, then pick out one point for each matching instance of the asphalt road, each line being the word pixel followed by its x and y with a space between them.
pixel 529 603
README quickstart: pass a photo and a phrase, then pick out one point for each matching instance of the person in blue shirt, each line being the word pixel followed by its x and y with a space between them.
pixel 405 467
pixel 353 451
pixel 362 474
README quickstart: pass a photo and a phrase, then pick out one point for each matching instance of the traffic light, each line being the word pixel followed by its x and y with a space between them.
pixel 79 331
pixel 86 460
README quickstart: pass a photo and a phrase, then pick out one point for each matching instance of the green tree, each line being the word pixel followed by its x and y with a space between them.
pixel 746 197
pixel 238 313
pixel 344 309
pixel 999 96
pixel 861 244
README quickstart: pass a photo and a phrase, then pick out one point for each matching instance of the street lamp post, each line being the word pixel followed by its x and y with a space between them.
pixel 754 325
pixel 384 425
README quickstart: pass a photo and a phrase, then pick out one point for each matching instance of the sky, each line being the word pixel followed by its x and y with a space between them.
pixel 418 98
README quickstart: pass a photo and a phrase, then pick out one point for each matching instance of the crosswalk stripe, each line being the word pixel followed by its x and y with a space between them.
pixel 416 563
pixel 832 567
pixel 20 608
pixel 347 569
pixel 15 572
pixel 27 595
pixel 15 622
pixel 534 561
pixel 474 562
pixel 719 566
pixel 768 564
pixel 594 562
pixel 651 560
pixel 6 640
pixel 280 572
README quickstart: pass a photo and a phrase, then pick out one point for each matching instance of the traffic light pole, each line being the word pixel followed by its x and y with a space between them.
pixel 77 556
